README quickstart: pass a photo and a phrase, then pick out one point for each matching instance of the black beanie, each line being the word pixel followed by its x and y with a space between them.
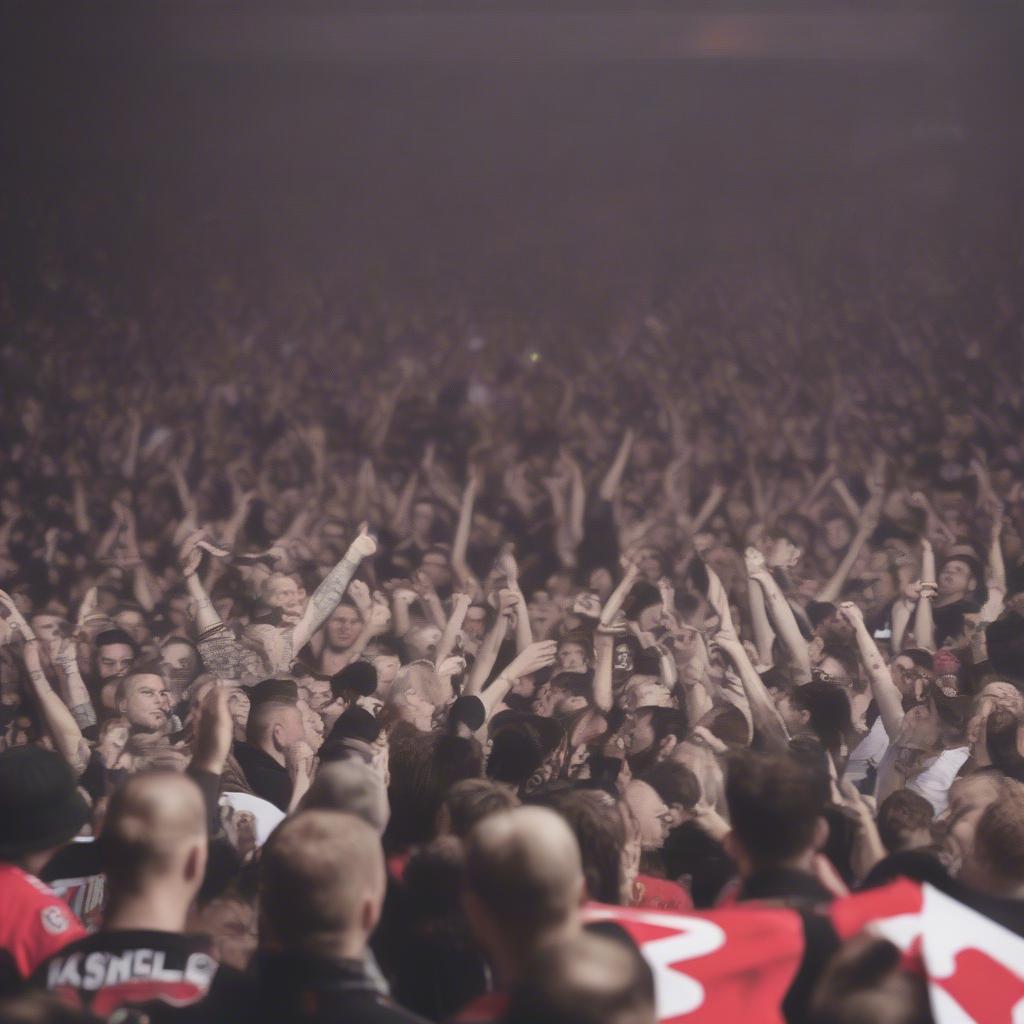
pixel 359 677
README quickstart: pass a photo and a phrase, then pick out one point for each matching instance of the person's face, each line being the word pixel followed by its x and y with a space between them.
pixel 177 612
pixel 417 710
pixel 837 535
pixel 475 623
pixel 133 624
pixel 649 617
pixel 320 694
pixel 114 739
pixel 178 665
pixel 968 800
pixel 794 717
pixel 284 593
pixel 312 725
pixel 113 660
pixel 146 703
pixel 545 700
pixel 910 679
pixel 387 666
pixel 955 579
pixel 435 565
pixel 571 658
pixel 238 705
pixel 343 627
pixel 651 814
pixel 639 735
pixel 422 519
pixel 601 583
pixel 46 627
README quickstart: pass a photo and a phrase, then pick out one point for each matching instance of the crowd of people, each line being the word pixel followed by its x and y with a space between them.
pixel 355 649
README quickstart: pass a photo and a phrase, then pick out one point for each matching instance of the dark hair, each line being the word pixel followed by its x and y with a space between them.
pixel 472 800
pixel 999 839
pixel 774 803
pixel 674 783
pixel 900 814
pixel 595 820
pixel 109 637
pixel 829 708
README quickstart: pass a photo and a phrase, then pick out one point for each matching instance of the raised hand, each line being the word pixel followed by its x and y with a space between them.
pixel 851 614
pixel 755 562
pixel 540 654
pixel 588 605
pixel 364 545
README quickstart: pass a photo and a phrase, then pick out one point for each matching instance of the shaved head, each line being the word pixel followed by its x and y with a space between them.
pixel 155 821
pixel 523 867
pixel 589 979
pixel 322 883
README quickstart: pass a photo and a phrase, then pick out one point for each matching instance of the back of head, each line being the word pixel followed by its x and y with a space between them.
pixel 774 805
pixel 351 787
pixel 322 883
pixel 596 822
pixel 903 818
pixel 997 860
pixel 589 979
pixel 264 716
pixel 523 871
pixel 154 822
pixel 472 800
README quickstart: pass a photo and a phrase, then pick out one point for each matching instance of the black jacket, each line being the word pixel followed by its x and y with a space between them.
pixel 296 989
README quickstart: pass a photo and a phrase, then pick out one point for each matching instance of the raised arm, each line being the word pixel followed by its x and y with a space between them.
pixel 63 729
pixel 487 655
pixel 330 592
pixel 459 546
pixel 613 478
pixel 884 690
pixel 924 621
pixel 867 521
pixel 765 716
pixel 781 615
pixel 63 653
pixel 537 656
pixel 460 605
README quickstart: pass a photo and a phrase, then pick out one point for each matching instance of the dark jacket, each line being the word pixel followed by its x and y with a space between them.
pixel 295 989
pixel 265 776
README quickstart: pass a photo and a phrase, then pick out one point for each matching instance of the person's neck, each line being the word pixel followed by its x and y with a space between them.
pixel 803 861
pixel 271 751
pixel 942 602
pixel 512 958
pixel 155 910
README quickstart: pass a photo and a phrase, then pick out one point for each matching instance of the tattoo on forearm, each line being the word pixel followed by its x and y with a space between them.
pixel 329 593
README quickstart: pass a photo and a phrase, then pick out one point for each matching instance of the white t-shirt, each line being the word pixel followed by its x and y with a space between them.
pixel 868 753
pixel 933 783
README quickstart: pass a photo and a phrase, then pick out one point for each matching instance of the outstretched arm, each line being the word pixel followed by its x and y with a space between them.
pixel 330 592
pixel 781 614
pixel 886 694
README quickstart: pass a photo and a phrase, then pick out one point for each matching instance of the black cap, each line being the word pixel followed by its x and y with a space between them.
pixel 520 743
pixel 468 711
pixel 354 724
pixel 40 806
pixel 358 677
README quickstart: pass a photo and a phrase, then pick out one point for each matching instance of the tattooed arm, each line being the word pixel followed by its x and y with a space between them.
pixel 326 597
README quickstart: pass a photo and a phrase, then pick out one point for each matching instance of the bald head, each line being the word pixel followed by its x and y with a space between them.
pixel 523 870
pixel 589 979
pixel 154 833
pixel 274 725
pixel 996 863
pixel 322 883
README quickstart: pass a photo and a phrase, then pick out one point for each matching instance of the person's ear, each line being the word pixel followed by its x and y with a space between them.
pixel 370 915
pixel 735 852
pixel 668 744
pixel 804 717
pixel 195 864
pixel 820 834
pixel 577 703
